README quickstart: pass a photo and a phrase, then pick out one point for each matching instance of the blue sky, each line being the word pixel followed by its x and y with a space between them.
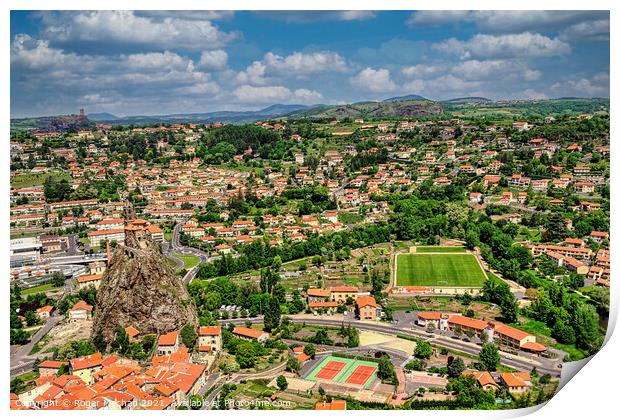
pixel 156 62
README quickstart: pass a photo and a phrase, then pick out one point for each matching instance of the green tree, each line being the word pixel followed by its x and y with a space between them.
pixel 189 336
pixel 385 369
pixel 31 318
pixel 246 355
pixel 456 367
pixel 585 324
pixel 99 342
pixel 293 365
pixel 272 314
pixel 423 350
pixel 195 402
pixel 510 309
pixel 321 337
pixel 121 341
pixel 563 332
pixel 282 382
pixel 19 336
pixel 58 279
pixel 310 350
pixel 489 357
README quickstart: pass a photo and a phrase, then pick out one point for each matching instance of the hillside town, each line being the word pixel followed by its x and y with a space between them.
pixel 443 261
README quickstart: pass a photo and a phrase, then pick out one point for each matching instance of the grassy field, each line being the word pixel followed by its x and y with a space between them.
pixel 29 180
pixel 189 260
pixel 48 287
pixel 350 218
pixel 439 249
pixel 460 270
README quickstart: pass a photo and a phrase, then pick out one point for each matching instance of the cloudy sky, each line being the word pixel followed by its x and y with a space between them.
pixel 158 62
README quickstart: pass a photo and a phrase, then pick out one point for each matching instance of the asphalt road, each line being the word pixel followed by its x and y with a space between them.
pixel 177 247
pixel 542 364
pixel 518 362
pixel 20 361
pixel 235 379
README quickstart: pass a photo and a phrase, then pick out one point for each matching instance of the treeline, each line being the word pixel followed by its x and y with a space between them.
pixel 368 159
pixel 268 144
pixel 260 254
pixel 572 321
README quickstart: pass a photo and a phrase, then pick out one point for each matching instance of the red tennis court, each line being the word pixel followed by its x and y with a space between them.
pixel 330 370
pixel 360 375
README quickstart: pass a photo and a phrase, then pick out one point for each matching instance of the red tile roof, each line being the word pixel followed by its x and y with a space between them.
pixel 168 339
pixel 366 301
pixel 467 322
pixel 214 330
pixel 429 315
pixel 131 331
pixel 511 332
pixel 339 289
pixel 82 305
pixel 51 364
pixel 318 292
pixel 533 346
pixel 86 362
pixel 248 332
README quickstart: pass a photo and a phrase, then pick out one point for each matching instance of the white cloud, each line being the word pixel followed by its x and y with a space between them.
pixel 531 75
pixel 270 94
pixel 436 17
pixel 36 54
pixel 504 21
pixel 296 65
pixel 188 14
pixel 158 61
pixel 309 16
pixel 213 60
pixel 422 70
pixel 532 94
pixel 494 70
pixel 597 86
pixel 375 81
pixel 521 45
pixel 153 78
pixel 414 86
pixel 253 74
pixel 306 63
pixel 597 30
pixel 448 79
pixel 127 27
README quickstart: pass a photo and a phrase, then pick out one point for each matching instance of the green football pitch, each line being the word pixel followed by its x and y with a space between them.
pixel 450 270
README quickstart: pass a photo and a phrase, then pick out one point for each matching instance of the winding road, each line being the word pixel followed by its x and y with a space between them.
pixel 175 246
pixel 525 363
pixel 235 379
pixel 20 361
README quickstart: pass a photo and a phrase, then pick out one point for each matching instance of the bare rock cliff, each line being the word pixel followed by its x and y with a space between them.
pixel 140 290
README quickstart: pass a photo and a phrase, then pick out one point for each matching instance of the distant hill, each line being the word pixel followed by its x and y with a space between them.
pixel 59 123
pixel 392 107
pixel 467 99
pixel 512 108
pixel 228 117
pixel 102 116
pixel 407 108
pixel 405 98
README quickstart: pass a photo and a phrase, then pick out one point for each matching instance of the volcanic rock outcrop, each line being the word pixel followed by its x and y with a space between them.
pixel 139 289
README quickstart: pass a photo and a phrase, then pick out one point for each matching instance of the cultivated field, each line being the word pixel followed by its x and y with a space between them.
pixel 450 270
